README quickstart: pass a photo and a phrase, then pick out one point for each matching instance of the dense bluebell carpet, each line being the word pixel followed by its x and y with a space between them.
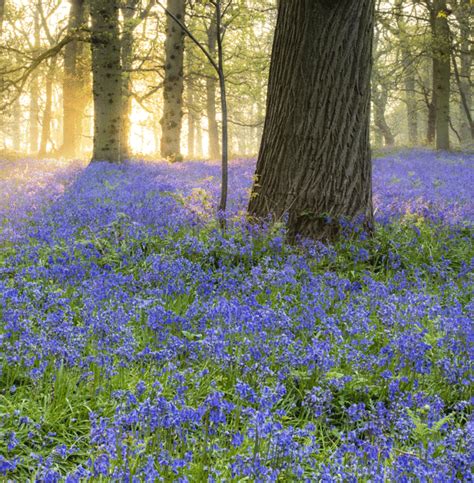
pixel 139 343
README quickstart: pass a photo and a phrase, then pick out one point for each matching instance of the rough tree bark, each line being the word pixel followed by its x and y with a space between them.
pixel 107 80
pixel 211 96
pixel 73 83
pixel 173 84
pixel 441 71
pixel 314 161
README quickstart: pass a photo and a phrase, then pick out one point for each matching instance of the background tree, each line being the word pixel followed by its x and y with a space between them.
pixel 464 14
pixel 380 91
pixel 211 96
pixel 74 80
pixel 441 70
pixel 107 80
pixel 219 68
pixel 51 64
pixel 409 73
pixel 132 16
pixel 173 84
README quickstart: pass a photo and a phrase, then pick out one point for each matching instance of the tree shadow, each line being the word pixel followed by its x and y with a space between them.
pixel 47 200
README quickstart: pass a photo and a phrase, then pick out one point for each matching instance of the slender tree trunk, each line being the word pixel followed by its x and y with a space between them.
pixel 73 84
pixel 191 120
pixel 409 72
pixel 225 124
pixel 16 125
pixel 33 117
pixel 190 99
pixel 2 14
pixel 411 102
pixel 33 121
pixel 107 80
pixel 314 162
pixel 380 97
pixel 431 126
pixel 47 114
pixel 199 149
pixel 211 96
pixel 465 103
pixel 431 107
pixel 57 124
pixel 410 96
pixel 128 13
pixel 441 71
pixel 173 82
pixel 378 137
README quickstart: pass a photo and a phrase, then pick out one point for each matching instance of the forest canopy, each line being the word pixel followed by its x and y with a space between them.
pixel 421 82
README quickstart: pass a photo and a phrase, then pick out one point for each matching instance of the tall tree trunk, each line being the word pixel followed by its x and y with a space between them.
pixel 173 82
pixel 431 106
pixel 190 100
pixel 73 84
pixel 128 13
pixel 410 99
pixel 467 50
pixel 314 162
pixel 410 95
pixel 409 72
pixel 211 88
pixel 47 114
pixel 441 71
pixel 107 80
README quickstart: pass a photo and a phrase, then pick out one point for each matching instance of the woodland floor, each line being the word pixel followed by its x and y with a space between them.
pixel 139 343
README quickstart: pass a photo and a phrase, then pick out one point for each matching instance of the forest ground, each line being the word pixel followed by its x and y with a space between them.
pixel 138 341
